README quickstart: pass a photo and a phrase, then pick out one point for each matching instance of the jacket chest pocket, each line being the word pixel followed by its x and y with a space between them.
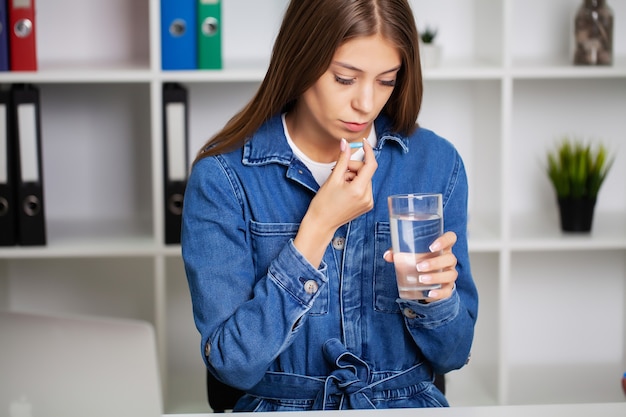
pixel 385 286
pixel 267 241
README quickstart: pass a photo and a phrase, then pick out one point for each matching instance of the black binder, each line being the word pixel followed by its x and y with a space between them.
pixel 175 143
pixel 26 124
pixel 8 229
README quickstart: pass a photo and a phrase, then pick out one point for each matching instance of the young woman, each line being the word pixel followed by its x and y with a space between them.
pixel 285 233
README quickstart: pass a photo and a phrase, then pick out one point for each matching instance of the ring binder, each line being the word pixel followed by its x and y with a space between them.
pixel 210 34
pixel 31 225
pixel 8 230
pixel 4 37
pixel 175 143
pixel 178 35
pixel 22 35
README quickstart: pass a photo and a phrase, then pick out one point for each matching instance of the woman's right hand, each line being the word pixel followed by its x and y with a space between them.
pixel 345 195
pixel 348 191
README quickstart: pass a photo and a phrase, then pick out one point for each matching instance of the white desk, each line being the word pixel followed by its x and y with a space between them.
pixel 552 410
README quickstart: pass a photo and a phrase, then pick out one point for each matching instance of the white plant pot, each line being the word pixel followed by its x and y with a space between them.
pixel 430 55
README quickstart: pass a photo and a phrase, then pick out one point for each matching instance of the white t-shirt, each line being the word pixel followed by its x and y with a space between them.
pixel 321 170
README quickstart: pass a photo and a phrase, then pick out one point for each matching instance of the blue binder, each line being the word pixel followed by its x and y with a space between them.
pixel 179 35
pixel 4 37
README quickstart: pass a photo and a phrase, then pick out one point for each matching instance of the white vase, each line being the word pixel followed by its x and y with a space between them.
pixel 430 55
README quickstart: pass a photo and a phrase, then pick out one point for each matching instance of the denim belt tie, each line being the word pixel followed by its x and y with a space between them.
pixel 349 380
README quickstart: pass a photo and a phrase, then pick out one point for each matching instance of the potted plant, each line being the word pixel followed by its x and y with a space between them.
pixel 430 52
pixel 577 171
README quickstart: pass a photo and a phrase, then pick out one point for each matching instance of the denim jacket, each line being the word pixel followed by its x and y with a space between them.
pixel 296 337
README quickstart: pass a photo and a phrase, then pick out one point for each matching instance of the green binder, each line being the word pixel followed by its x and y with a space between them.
pixel 209 34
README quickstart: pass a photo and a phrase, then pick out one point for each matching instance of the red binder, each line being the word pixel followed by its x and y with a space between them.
pixel 22 45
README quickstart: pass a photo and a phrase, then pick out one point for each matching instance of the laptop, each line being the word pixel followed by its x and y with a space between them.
pixel 77 367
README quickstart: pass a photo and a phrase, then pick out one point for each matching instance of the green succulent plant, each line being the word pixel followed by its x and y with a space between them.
pixel 428 35
pixel 576 169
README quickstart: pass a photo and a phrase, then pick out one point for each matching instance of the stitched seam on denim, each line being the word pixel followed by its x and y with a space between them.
pixel 454 178
pixel 234 185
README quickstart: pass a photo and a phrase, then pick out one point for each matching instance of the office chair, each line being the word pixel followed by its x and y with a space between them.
pixel 223 397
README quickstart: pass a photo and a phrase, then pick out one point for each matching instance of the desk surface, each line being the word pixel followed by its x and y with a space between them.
pixel 552 410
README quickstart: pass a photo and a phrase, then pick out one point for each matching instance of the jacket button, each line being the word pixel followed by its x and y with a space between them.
pixel 311 287
pixel 339 243
pixel 409 313
pixel 207 349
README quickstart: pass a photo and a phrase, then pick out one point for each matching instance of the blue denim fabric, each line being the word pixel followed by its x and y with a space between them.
pixel 266 315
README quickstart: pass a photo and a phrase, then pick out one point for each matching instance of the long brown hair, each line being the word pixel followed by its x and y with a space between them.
pixel 310 33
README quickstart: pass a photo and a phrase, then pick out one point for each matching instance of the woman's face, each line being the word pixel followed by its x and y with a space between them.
pixel 346 99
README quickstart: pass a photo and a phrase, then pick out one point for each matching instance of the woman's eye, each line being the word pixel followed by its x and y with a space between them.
pixel 344 81
pixel 388 83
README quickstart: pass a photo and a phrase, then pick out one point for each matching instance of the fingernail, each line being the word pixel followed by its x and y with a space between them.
pixel 435 247
pixel 387 252
pixel 424 279
pixel 344 144
pixel 422 266
pixel 432 294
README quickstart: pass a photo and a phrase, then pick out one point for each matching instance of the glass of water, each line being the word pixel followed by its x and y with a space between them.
pixel 416 220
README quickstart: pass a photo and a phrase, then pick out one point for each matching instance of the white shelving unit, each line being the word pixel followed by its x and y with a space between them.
pixel 552 324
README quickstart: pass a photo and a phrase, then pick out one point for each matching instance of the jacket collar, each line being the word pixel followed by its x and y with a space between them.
pixel 269 144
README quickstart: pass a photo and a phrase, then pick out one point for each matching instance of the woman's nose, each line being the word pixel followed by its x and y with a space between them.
pixel 363 101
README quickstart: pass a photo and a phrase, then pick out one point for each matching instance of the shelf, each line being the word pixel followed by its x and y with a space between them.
pixel 95 238
pixel 251 70
pixel 464 69
pixel 541 232
pixel 241 71
pixel 90 73
pixel 563 69
pixel 95 286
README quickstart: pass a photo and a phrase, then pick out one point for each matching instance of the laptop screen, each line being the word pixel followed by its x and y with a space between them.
pixel 77 367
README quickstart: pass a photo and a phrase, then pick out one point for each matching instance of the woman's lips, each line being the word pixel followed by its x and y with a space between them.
pixel 355 127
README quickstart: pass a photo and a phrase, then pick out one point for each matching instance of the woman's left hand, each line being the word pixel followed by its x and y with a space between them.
pixel 440 269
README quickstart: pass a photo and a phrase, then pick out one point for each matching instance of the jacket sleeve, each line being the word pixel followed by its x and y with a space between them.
pixel 444 330
pixel 245 321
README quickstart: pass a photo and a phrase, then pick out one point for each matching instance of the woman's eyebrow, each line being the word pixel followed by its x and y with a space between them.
pixel 353 68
